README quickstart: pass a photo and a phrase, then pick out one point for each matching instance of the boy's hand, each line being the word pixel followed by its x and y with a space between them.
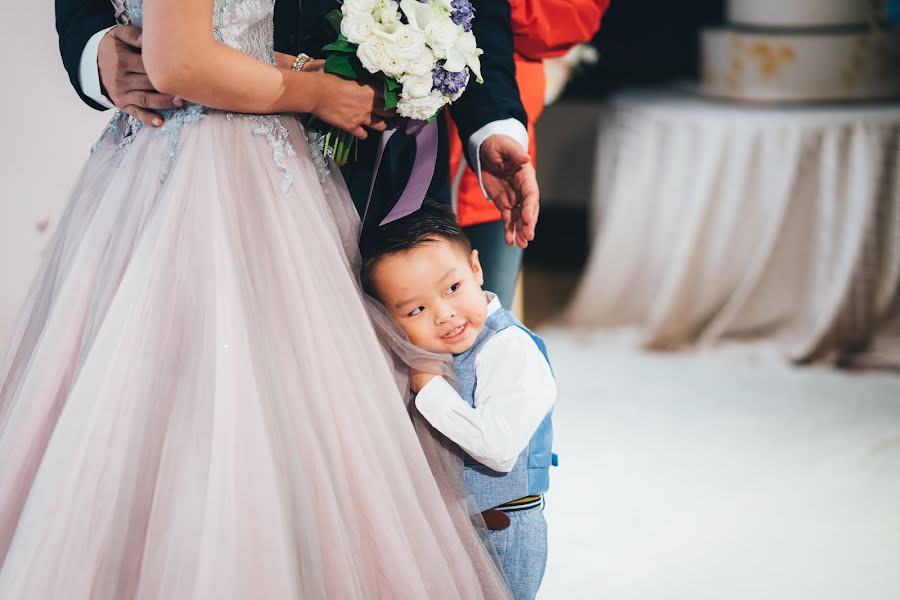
pixel 419 379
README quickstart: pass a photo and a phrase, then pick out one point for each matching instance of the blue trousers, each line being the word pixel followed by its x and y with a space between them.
pixel 500 262
pixel 522 549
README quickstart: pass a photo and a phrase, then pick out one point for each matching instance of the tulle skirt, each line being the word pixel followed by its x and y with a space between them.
pixel 194 402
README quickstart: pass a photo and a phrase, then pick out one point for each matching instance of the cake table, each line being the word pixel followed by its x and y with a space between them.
pixel 778 225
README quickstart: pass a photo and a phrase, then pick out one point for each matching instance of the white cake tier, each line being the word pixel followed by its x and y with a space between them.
pixel 802 13
pixel 800 67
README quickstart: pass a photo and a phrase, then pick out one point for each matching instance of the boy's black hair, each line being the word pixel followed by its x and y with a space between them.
pixel 433 222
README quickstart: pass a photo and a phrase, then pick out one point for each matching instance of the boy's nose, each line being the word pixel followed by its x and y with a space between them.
pixel 444 313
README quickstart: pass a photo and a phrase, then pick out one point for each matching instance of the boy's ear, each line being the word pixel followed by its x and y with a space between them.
pixel 476 267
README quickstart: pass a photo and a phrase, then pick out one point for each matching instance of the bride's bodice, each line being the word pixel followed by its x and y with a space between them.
pixel 242 24
pixel 246 25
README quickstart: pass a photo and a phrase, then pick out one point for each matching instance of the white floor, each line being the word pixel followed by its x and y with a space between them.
pixel 704 477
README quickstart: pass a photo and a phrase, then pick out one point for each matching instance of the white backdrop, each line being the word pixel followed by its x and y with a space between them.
pixel 47 133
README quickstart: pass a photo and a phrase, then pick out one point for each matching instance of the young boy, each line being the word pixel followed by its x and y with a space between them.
pixel 424 271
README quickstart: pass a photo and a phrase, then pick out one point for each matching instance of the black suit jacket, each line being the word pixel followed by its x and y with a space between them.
pixel 304 29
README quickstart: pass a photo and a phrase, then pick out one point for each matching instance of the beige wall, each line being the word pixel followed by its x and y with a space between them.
pixel 45 135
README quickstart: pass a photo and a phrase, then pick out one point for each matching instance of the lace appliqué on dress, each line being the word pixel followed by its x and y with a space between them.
pixel 242 24
pixel 175 121
pixel 246 25
pixel 277 135
pixel 123 128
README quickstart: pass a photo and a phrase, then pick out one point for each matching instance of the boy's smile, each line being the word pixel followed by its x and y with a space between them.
pixel 434 292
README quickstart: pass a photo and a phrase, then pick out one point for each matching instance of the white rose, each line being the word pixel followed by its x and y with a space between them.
pixel 358 6
pixel 393 66
pixel 423 63
pixel 416 86
pixel 442 36
pixel 401 41
pixel 386 32
pixel 420 109
pixel 409 42
pixel 371 54
pixel 357 27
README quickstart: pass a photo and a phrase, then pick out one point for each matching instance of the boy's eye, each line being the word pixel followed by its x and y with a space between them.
pixel 453 288
pixel 416 311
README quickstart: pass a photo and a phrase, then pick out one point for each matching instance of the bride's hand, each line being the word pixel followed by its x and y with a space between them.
pixel 350 105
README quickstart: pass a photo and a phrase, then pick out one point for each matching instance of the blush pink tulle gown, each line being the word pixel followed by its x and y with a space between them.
pixel 194 402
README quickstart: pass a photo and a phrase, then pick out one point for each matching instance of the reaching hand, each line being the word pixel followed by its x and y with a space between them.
pixel 419 379
pixel 350 105
pixel 124 79
pixel 509 179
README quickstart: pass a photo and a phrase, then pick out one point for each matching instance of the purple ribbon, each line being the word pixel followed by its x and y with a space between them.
pixel 426 135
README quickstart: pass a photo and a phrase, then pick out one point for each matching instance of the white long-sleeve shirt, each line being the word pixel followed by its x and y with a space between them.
pixel 513 393
pixel 89 80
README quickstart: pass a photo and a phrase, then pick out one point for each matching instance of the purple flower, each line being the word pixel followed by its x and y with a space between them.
pixel 448 82
pixel 462 13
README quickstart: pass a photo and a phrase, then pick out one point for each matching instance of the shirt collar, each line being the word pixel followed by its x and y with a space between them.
pixel 493 303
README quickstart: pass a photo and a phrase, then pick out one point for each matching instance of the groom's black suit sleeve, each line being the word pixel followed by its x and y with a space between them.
pixel 76 22
pixel 498 97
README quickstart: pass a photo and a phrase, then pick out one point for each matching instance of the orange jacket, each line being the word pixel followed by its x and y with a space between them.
pixel 541 29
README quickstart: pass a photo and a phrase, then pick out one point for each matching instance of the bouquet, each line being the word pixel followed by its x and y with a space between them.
pixel 422 52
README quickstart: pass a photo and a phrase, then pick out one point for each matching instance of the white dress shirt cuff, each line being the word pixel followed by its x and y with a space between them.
pixel 435 394
pixel 88 74
pixel 511 127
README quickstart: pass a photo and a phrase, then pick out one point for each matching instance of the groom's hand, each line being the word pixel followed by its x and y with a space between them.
pixel 124 80
pixel 509 179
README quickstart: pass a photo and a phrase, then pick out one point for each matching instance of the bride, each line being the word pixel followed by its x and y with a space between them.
pixel 194 403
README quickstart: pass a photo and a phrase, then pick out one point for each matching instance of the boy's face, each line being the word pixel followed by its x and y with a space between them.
pixel 434 293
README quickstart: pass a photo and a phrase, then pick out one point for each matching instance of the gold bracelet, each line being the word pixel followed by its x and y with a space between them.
pixel 301 60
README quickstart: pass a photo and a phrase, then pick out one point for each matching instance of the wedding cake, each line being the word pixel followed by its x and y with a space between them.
pixel 801 50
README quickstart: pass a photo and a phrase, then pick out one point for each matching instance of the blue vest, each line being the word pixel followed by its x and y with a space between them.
pixel 531 474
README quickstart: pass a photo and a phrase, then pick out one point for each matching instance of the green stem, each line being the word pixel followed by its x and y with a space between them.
pixel 338 145
pixel 348 143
